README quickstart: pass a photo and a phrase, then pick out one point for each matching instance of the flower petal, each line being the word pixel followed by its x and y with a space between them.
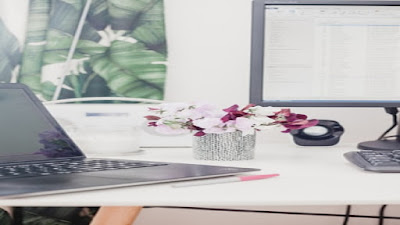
pixel 199 134
pixel 207 122
pixel 232 108
pixel 151 117
pixel 244 124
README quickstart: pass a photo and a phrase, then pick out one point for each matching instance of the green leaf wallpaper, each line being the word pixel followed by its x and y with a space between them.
pixel 10 54
pixel 115 48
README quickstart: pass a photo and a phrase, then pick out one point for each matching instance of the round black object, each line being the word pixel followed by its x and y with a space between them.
pixel 325 133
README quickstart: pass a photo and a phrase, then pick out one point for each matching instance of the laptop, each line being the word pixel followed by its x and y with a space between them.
pixel 37 157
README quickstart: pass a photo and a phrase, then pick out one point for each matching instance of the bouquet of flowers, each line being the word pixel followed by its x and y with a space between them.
pixel 179 118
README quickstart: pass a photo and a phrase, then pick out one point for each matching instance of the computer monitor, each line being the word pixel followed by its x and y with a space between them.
pixel 324 53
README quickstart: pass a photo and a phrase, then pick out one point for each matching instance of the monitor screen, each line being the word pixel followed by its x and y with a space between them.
pixel 325 53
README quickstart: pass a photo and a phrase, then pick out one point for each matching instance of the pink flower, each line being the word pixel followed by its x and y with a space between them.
pixel 178 118
pixel 300 124
pixel 151 117
pixel 203 111
pixel 292 121
pixel 207 122
pixel 234 112
pixel 244 124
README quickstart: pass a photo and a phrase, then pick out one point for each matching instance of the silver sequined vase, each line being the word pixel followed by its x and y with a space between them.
pixel 229 146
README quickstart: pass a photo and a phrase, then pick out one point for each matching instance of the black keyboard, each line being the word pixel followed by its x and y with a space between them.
pixel 67 167
pixel 377 161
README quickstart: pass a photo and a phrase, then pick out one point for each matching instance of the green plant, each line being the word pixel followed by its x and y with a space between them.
pixel 121 50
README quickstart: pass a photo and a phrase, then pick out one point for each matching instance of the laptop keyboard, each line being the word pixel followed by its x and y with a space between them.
pixel 68 167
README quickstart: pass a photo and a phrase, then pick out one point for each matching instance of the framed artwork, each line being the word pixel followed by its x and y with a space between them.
pixel 84 48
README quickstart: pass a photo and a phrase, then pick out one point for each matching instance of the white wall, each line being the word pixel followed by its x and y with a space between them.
pixel 209 50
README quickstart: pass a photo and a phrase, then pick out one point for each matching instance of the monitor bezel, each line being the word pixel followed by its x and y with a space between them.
pixel 257 57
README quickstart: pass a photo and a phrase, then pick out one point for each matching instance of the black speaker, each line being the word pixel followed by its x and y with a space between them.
pixel 325 133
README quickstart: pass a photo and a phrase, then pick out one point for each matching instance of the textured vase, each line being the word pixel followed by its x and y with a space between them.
pixel 224 147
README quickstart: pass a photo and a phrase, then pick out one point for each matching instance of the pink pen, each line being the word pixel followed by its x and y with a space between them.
pixel 225 180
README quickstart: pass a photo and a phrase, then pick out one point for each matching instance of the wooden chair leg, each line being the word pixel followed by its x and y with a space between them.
pixel 116 215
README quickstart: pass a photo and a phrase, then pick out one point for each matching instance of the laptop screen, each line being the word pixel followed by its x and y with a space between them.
pixel 27 131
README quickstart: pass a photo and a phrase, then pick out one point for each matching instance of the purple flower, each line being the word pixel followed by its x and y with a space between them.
pixel 151 117
pixel 234 112
pixel 292 121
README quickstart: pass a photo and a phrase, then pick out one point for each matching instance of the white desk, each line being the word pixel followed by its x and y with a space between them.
pixel 309 176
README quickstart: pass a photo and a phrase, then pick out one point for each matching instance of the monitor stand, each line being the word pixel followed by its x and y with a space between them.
pixel 381 143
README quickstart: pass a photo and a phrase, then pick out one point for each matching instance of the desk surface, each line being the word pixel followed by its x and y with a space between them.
pixel 308 176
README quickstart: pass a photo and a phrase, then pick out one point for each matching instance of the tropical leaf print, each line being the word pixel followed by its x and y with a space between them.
pixel 10 55
pixel 121 50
